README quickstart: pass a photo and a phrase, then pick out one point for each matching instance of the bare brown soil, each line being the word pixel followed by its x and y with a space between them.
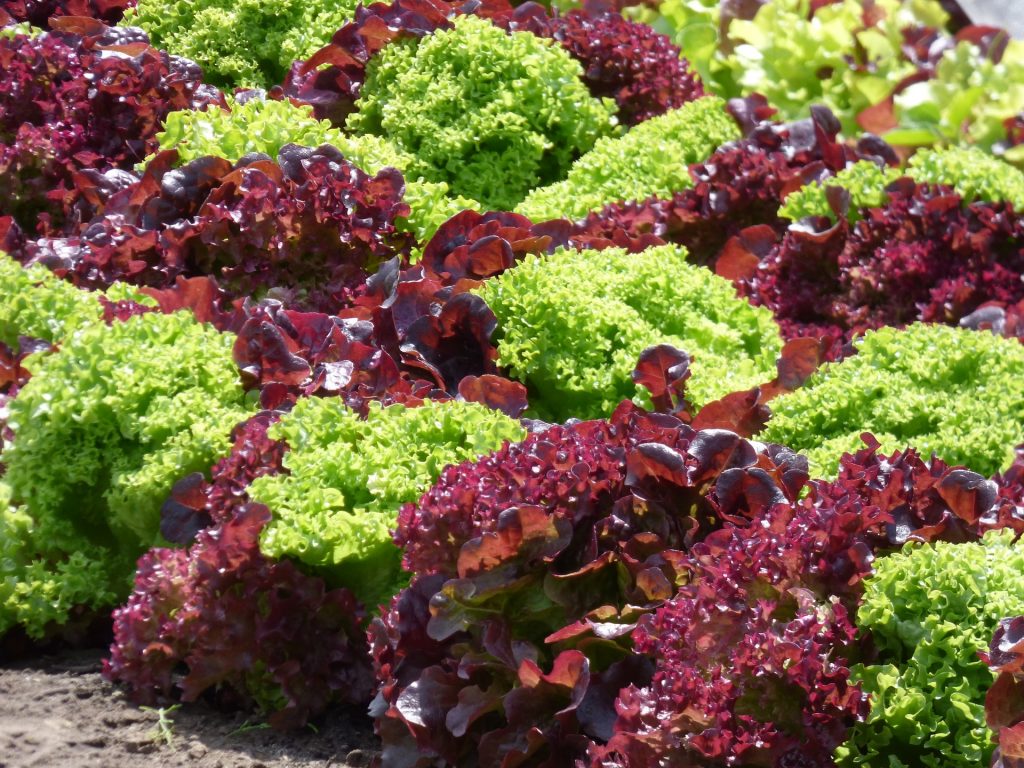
pixel 56 710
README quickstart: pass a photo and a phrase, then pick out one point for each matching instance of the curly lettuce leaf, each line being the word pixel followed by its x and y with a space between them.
pixel 347 478
pixel 930 609
pixel 653 158
pixel 573 324
pixel 954 392
pixel 490 113
pixel 101 432
pixel 248 43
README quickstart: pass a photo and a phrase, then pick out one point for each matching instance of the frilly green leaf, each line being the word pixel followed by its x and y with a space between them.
pixel 930 610
pixel 248 43
pixel 572 326
pixel 347 477
pixel 955 392
pixel 492 114
pixel 652 159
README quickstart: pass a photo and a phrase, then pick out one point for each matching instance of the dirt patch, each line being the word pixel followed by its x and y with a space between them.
pixel 57 710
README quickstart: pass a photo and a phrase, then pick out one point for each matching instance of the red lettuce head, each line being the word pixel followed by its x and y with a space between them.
pixel 749 661
pixel 76 103
pixel 924 256
pixel 534 565
pixel 222 620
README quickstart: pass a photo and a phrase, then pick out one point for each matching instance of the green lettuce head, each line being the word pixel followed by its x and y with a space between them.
pixel 654 158
pixel 40 305
pixel 347 477
pixel 572 326
pixel 955 392
pixel 490 113
pixel 246 43
pixel 102 430
pixel 930 609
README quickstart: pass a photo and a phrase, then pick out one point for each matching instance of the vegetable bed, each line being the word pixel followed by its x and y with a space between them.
pixel 627 384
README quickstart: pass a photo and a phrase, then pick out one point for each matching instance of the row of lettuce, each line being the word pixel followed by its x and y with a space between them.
pixel 915 70
pixel 274 348
pixel 560 606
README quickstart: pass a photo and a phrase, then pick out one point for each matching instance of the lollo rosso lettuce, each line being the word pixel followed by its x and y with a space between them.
pixel 39 12
pixel 307 229
pixel 100 432
pixel 76 111
pixel 490 113
pixel 750 660
pixel 221 618
pixel 533 566
pixel 923 255
pixel 930 610
pixel 651 159
pixel 627 61
pixel 945 390
pixel 572 325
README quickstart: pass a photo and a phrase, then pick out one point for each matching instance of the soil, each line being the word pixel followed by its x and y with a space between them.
pixel 56 710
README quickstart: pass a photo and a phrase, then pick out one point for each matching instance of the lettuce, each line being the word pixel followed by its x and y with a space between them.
pixel 950 391
pixel 493 114
pixel 973 173
pixel 38 592
pixel 77 111
pixel 347 477
pixel 836 54
pixel 307 228
pixel 248 43
pixel 967 101
pixel 100 432
pixel 534 565
pixel 865 182
pixel 221 618
pixel 930 609
pixel 572 325
pixel 266 126
pixel 922 256
pixel 653 158
pixel 40 305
